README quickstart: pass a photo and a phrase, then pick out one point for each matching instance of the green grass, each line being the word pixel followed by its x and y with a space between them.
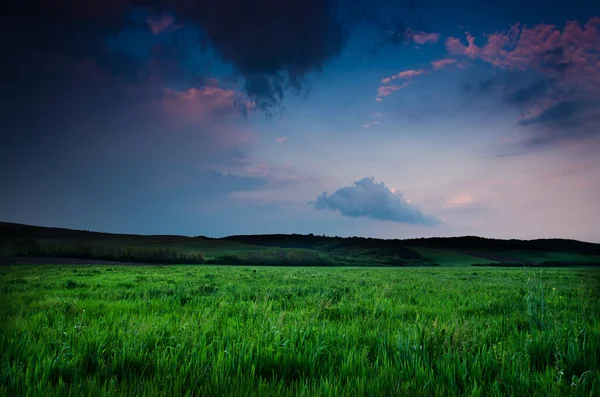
pixel 449 257
pixel 237 331
pixel 545 256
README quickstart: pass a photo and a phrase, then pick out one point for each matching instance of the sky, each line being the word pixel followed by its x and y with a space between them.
pixel 387 119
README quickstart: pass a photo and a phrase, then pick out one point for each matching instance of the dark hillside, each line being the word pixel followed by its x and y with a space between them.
pixel 17 239
pixel 11 231
pixel 487 244
pixel 357 245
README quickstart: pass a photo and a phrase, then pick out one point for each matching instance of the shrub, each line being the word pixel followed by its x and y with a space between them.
pixel 26 247
pixel 126 254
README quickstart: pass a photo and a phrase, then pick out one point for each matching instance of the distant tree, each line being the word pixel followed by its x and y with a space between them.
pixel 26 247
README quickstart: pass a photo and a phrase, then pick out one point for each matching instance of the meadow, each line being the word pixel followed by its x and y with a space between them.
pixel 307 331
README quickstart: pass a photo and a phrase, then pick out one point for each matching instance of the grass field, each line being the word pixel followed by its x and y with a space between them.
pixel 541 256
pixel 223 331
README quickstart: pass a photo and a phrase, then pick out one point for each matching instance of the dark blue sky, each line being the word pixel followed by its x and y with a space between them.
pixel 373 118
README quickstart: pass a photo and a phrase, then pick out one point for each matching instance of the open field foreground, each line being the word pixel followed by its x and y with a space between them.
pixel 223 331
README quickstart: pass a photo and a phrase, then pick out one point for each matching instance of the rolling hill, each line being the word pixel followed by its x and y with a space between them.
pixel 294 249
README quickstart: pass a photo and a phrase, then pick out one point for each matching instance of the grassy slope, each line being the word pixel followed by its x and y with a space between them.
pixel 542 256
pixel 449 257
pixel 445 251
pixel 215 331
pixel 210 248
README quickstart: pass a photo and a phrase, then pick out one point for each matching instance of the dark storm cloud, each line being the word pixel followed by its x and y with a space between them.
pixel 480 86
pixel 272 44
pixel 372 200
pixel 486 83
pixel 567 120
pixel 525 94
pixel 42 37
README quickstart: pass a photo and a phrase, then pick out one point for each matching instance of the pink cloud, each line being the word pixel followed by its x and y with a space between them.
pixel 460 200
pixel 454 46
pixel 275 175
pixel 210 108
pixel 572 54
pixel 442 63
pixel 281 139
pixel 196 104
pixel 388 89
pixel 159 24
pixel 407 74
pixel 570 57
pixel 378 99
pixel 421 37
pixel 424 38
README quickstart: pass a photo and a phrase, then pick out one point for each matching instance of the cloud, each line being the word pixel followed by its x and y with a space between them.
pixel 200 104
pixel 269 180
pixel 559 112
pixel 379 115
pixel 274 46
pixel 464 203
pixel 407 74
pixel 373 200
pixel 279 184
pixel 422 37
pixel 571 55
pixel 486 85
pixel 281 139
pixel 560 102
pixel 460 200
pixel 370 124
pixel 525 94
pixel 388 20
pixel 389 89
pixel 442 63
pixel 454 46
pixel 250 169
pixel 378 99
